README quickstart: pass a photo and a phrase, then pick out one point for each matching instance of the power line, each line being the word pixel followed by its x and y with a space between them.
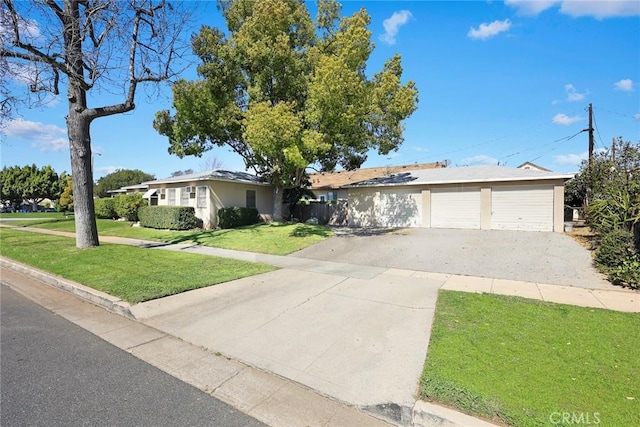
pixel 566 138
pixel 595 124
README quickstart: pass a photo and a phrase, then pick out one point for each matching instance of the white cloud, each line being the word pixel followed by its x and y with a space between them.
pixel 29 29
pixel 625 85
pixel 392 26
pixel 42 136
pixel 637 116
pixel 563 119
pixel 481 159
pixel 419 149
pixel 486 31
pixel 599 9
pixel 574 159
pixel 529 7
pixel 106 170
pixel 573 95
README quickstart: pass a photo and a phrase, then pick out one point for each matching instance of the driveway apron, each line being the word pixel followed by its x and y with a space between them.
pixel 361 341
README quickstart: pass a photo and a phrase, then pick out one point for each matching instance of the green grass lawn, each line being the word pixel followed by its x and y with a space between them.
pixel 274 238
pixel 131 273
pixel 527 362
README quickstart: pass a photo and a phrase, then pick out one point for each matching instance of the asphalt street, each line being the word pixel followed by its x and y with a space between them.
pixel 55 373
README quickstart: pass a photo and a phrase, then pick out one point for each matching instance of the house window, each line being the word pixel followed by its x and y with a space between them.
pixel 184 196
pixel 323 198
pixel 202 197
pixel 251 198
pixel 332 195
pixel 171 196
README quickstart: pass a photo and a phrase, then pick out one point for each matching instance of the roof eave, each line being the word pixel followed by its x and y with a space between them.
pixel 468 181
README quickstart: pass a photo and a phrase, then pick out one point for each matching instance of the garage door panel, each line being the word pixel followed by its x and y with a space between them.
pixel 455 208
pixel 520 208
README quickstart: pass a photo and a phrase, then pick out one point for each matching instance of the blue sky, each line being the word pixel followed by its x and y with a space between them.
pixel 500 82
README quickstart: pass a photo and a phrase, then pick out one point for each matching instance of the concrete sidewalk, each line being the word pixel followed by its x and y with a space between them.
pixel 357 334
pixel 618 299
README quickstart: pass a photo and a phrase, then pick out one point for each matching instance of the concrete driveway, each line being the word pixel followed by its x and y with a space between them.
pixel 539 257
pixel 359 340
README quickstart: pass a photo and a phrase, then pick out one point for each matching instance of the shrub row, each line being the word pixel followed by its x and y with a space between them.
pixel 237 217
pixel 618 257
pixel 168 217
pixel 105 208
pixel 122 206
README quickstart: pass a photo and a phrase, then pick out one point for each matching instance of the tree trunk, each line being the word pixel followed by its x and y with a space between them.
pixel 78 122
pixel 277 202
pixel 80 149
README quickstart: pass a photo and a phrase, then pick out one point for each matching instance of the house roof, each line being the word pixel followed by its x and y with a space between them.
pixel 129 187
pixel 461 175
pixel 332 180
pixel 530 165
pixel 212 175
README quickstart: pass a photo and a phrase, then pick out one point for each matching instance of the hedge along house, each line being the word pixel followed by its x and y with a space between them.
pixel 482 197
pixel 209 191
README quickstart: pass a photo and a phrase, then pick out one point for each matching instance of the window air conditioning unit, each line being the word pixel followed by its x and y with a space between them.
pixel 161 191
pixel 188 189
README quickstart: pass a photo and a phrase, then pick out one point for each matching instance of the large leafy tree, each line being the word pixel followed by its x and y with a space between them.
pixel 29 183
pixel 285 91
pixel 120 178
pixel 65 203
pixel 84 46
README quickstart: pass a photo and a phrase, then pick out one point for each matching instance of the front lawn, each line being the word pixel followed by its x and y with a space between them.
pixel 274 238
pixel 528 363
pixel 131 273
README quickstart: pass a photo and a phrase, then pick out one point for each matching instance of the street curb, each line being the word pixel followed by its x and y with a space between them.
pixel 427 414
pixel 102 299
pixel 421 414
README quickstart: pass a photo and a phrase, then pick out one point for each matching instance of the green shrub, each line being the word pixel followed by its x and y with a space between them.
pixel 105 208
pixel 127 205
pixel 617 257
pixel 627 273
pixel 169 217
pixel 237 217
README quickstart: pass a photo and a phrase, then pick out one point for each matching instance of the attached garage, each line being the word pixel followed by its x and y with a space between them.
pixel 455 207
pixel 385 207
pixel 401 208
pixel 482 197
pixel 522 208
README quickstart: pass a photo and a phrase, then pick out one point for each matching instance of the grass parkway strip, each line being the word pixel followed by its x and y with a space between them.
pixel 273 238
pixel 532 363
pixel 131 273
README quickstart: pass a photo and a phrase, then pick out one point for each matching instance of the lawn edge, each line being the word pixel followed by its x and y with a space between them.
pixel 94 296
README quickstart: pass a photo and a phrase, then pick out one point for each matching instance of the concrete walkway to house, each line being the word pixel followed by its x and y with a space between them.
pixel 355 333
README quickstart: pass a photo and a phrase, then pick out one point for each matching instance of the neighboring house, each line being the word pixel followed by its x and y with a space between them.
pixel 209 191
pixel 481 197
pixel 129 189
pixel 328 186
pixel 533 166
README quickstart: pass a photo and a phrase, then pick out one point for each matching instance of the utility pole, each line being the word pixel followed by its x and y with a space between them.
pixel 590 165
pixel 613 150
pixel 590 129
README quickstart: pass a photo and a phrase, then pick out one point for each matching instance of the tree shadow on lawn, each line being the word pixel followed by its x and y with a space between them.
pixel 305 230
pixel 31 223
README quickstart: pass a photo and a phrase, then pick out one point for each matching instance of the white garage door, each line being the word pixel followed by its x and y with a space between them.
pixel 455 208
pixel 522 208
pixel 400 208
